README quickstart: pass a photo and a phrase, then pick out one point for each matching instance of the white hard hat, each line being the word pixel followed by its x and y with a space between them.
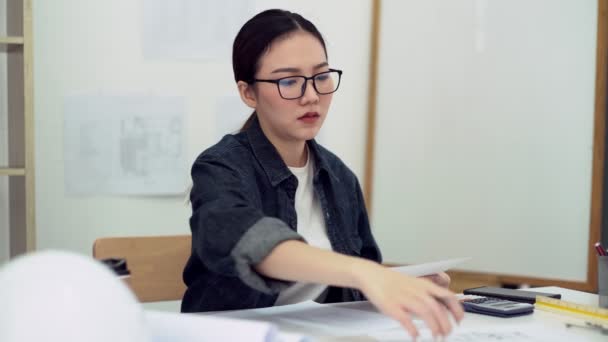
pixel 61 296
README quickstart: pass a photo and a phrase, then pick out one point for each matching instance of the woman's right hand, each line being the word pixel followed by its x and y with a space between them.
pixel 400 296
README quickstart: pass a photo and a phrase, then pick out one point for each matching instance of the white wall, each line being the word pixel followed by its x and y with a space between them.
pixel 87 46
pixel 484 136
pixel 4 218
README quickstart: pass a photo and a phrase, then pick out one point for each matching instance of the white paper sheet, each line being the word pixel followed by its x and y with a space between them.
pixel 489 333
pixel 175 327
pixel 292 337
pixel 192 29
pixel 429 268
pixel 322 319
pixel 272 310
pixel 124 145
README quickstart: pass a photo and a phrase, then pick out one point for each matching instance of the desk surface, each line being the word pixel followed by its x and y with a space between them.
pixel 547 320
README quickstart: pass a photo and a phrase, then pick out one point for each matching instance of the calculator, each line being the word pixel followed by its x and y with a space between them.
pixel 496 306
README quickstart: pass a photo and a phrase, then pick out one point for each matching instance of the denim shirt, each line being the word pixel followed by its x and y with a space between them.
pixel 243 205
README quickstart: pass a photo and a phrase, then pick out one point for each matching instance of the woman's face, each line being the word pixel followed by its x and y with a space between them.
pixel 298 54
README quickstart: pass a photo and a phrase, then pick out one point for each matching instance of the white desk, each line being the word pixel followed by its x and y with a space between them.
pixel 540 318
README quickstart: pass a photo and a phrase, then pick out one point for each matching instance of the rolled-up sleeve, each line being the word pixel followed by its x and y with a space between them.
pixel 230 233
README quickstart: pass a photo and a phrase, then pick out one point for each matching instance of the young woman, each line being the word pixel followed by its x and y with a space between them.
pixel 277 218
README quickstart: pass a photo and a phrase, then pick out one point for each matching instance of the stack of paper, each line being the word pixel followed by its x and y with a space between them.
pixel 175 327
pixel 347 319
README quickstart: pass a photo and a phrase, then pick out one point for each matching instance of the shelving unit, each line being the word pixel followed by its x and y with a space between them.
pixel 12 172
pixel 17 45
pixel 11 40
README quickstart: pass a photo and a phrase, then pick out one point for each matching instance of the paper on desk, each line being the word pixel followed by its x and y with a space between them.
pixel 429 268
pixel 175 327
pixel 271 310
pixel 525 332
pixel 321 319
pixel 292 337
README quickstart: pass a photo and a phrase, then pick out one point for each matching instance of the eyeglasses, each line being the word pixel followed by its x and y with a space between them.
pixel 294 87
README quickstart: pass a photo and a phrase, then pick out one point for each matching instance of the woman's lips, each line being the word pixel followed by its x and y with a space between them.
pixel 309 117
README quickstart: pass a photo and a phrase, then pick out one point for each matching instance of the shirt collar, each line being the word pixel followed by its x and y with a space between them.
pixel 272 163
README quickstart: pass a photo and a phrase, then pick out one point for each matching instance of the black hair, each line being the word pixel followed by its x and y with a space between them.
pixel 255 38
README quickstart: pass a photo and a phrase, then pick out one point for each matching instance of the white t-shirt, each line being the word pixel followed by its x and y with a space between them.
pixel 311 225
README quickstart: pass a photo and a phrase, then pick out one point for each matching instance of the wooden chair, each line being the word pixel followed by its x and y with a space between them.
pixel 156 263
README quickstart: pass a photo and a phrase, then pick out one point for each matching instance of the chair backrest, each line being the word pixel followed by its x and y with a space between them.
pixel 156 263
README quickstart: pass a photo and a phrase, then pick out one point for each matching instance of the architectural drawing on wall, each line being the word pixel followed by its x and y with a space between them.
pixel 192 29
pixel 124 145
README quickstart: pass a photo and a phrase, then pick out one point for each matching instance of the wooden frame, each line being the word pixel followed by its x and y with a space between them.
pixel 598 155
pixel 371 105
pixel 28 99
pixel 21 124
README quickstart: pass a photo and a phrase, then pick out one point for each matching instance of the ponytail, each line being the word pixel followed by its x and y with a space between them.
pixel 249 121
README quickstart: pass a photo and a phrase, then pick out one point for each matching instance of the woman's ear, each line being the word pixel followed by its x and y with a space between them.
pixel 247 94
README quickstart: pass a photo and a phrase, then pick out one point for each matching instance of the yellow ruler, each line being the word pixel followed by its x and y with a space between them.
pixel 587 312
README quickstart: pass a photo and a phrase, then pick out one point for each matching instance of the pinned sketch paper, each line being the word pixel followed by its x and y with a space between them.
pixel 124 145
pixel 192 29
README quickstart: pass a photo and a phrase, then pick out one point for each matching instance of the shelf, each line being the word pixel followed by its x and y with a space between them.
pixel 12 172
pixel 11 40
